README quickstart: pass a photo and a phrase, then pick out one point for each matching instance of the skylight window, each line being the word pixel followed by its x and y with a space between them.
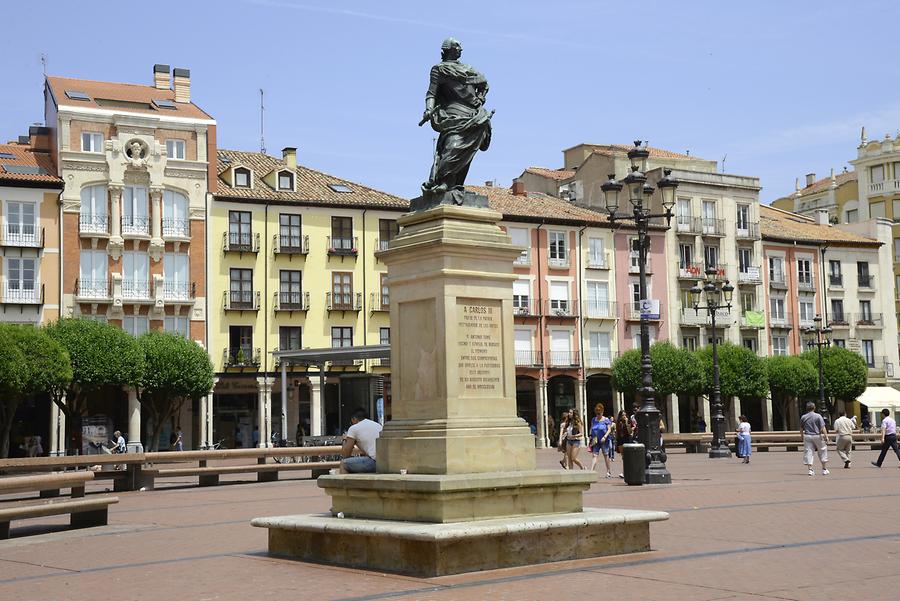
pixel 342 188
pixel 25 169
pixel 164 104
pixel 76 95
pixel 6 155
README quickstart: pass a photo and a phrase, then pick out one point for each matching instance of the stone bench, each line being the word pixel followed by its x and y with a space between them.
pixel 84 512
pixel 47 485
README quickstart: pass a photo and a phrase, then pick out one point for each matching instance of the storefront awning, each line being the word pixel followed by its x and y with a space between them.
pixel 320 356
pixel 877 398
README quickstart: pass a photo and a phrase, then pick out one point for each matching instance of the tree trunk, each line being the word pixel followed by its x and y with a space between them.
pixel 8 414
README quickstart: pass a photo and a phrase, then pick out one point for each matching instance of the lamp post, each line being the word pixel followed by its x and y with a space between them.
pixel 718 296
pixel 820 339
pixel 638 190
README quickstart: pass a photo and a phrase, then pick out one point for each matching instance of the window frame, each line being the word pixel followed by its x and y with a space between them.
pixel 95 139
pixel 172 146
pixel 241 171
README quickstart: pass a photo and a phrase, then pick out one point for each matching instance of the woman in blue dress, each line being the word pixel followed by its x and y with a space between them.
pixel 601 438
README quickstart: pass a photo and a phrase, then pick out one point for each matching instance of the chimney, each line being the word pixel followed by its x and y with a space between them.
pixel 822 217
pixel 289 154
pixel 39 138
pixel 182 84
pixel 518 188
pixel 161 77
pixel 489 183
pixel 810 179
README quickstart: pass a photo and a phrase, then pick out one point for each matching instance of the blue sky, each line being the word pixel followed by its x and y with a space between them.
pixel 781 88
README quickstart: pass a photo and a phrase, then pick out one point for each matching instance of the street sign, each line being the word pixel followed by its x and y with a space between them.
pixel 649 308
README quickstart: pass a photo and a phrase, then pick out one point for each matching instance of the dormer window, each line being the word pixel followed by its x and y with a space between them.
pixel 241 177
pixel 286 180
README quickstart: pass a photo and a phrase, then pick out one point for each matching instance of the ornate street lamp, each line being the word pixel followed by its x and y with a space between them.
pixel 635 183
pixel 718 297
pixel 819 338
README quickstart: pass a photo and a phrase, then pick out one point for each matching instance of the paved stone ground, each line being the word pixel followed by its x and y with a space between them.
pixel 760 531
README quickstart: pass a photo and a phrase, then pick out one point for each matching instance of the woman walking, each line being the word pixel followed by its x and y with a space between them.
pixel 601 438
pixel 574 436
pixel 561 438
pixel 743 436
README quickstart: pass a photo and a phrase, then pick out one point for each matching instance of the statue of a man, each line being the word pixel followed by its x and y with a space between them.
pixel 454 104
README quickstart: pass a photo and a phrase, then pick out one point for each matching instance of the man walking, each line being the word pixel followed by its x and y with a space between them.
pixel 815 438
pixel 844 427
pixel 888 436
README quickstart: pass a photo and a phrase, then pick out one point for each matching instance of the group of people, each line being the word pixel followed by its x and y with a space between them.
pixel 605 437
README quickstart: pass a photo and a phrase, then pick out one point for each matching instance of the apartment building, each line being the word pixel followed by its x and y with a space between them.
pixel 29 230
pixel 135 162
pixel 292 265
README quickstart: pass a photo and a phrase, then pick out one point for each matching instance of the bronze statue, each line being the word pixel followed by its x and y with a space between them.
pixel 454 104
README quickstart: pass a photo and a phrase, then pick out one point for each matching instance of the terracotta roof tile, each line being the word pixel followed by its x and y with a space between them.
pixel 24 156
pixel 654 152
pixel 557 174
pixel 535 205
pixel 312 186
pixel 142 95
pixel 825 182
pixel 776 224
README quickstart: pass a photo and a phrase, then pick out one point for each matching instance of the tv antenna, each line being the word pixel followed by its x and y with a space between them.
pixel 44 64
pixel 723 162
pixel 262 121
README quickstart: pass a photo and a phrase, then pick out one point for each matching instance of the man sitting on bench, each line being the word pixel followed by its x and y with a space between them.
pixel 362 433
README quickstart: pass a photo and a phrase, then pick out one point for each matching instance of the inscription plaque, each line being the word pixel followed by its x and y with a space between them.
pixel 480 343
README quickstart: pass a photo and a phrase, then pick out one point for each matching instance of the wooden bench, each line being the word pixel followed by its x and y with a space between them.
pixel 47 485
pixel 129 478
pixel 84 512
pixel 265 472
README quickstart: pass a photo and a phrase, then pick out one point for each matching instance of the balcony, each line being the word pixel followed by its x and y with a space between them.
pixel 240 300
pixel 379 302
pixel 528 358
pixel 864 281
pixel 525 307
pixel 806 322
pixel 836 280
pixel 598 359
pixel 599 310
pixel 135 225
pixel 524 259
pixel 564 359
pixel 93 225
pixel 806 284
pixel 561 308
pixel 632 312
pixel 291 301
pixel 13 295
pixel 241 357
pixel 634 263
pixel 719 270
pixel 136 290
pixel 781 322
pixel 343 302
pixel 558 259
pixel 712 227
pixel 749 231
pixel 756 321
pixel 690 317
pixel 598 261
pixel 92 290
pixel 839 320
pixel 382 244
pixel 776 280
pixel 868 320
pixel 174 292
pixel 179 229
pixel 751 276
pixel 690 271
pixel 22 236
pixel 687 225
pixel 342 246
pixel 290 245
pixel 889 186
pixel 236 242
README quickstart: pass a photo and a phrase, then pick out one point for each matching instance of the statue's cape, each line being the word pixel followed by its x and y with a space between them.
pixel 458 72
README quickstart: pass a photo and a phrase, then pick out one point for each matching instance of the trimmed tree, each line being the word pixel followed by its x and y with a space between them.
pixel 178 370
pixel 102 356
pixel 675 371
pixel 790 379
pixel 30 363
pixel 741 373
pixel 845 374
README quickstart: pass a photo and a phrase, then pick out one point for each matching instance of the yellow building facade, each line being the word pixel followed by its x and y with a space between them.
pixel 292 266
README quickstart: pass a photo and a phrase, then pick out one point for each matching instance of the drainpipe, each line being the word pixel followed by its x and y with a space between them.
pixel 542 382
pixel 824 288
pixel 59 203
pixel 364 289
pixel 581 311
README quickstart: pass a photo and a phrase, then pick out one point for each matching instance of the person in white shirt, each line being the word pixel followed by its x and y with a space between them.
pixel 743 436
pixel 361 434
pixel 844 427
pixel 888 437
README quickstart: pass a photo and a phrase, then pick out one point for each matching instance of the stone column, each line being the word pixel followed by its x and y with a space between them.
pixel 204 430
pixel 265 411
pixel 767 413
pixel 134 420
pixel 293 410
pixel 116 243
pixel 316 393
pixel 156 242
pixel 673 424
pixel 545 411
pixel 57 430
pixel 581 402
pixel 210 415
pixel 706 414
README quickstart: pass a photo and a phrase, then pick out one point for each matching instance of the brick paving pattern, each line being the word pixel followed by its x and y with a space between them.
pixel 762 531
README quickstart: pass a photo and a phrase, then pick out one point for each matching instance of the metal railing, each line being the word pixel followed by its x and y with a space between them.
pixel 381 244
pixel 238 242
pixel 343 302
pixel 784 322
pixel 686 224
pixel 776 280
pixel 136 289
pixel 288 244
pixel 291 301
pixel 342 246
pixel 135 224
pixel 92 289
pixel 528 358
pixel 634 265
pixel 710 226
pixel 752 275
pixel 25 236
pixel 868 319
pixel 561 308
pixel 563 359
pixel 176 228
pixel 525 307
pixel 750 231
pixel 93 224
pixel 561 260
pixel 835 280
pixel 241 300
pixel 864 281
pixel 598 358
pixel 379 302
pixel 632 312
pixel 524 258
pixel 174 291
pixel 242 356
pixel 599 310
pixel 601 262
pixel 806 283
pixel 691 271
pixel 23 296
pixel 839 318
